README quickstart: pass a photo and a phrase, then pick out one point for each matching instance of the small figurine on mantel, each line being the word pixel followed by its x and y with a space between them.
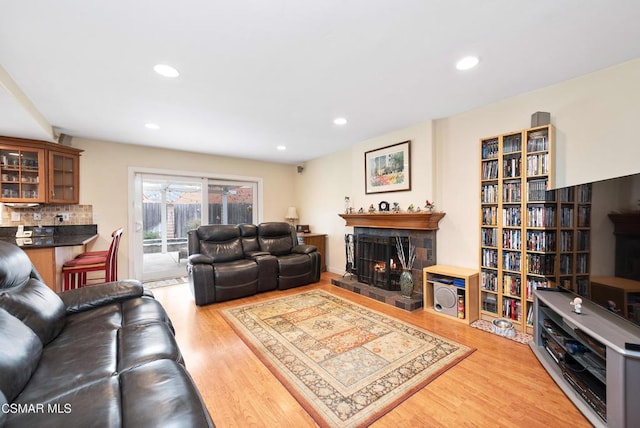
pixel 430 206
pixel 372 209
pixel 361 210
pixel 411 208
pixel 347 204
pixel 396 207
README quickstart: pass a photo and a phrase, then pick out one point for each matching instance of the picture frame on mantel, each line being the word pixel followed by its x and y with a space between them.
pixel 388 169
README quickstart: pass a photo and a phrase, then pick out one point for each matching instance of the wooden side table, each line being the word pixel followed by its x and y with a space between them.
pixel 623 292
pixel 319 240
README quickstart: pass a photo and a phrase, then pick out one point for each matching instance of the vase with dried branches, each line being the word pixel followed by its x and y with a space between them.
pixel 406 260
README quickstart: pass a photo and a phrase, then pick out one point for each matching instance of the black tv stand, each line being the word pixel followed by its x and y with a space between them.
pixel 594 357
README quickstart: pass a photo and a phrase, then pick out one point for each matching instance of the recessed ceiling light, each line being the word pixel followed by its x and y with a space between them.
pixel 281 148
pixel 340 121
pixel 468 62
pixel 151 126
pixel 166 70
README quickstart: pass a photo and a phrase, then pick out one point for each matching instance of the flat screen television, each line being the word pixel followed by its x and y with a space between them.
pixel 614 238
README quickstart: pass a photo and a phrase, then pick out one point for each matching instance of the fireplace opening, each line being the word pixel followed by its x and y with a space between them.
pixel 378 262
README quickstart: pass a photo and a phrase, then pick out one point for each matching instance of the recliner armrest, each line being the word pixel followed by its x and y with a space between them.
pixel 95 296
pixel 304 249
pixel 196 259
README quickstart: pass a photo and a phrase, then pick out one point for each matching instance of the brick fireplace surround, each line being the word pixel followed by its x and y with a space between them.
pixel 421 229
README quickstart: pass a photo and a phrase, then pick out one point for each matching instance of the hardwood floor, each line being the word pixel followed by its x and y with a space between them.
pixel 500 385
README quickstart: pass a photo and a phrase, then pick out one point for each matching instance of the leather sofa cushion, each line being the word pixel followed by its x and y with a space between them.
pixel 105 318
pixel 221 242
pixel 130 312
pixel 69 363
pixel 294 264
pixel 221 252
pixel 165 388
pixel 143 310
pixel 94 404
pixel 249 234
pixel 15 266
pixel 3 415
pixel 20 351
pixel 275 237
pixel 98 343
pixel 155 394
pixel 218 232
pixel 37 306
pixel 235 273
pixel 138 344
pixel 276 246
pixel 95 296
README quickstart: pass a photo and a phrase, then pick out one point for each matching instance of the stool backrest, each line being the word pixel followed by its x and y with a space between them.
pixel 111 273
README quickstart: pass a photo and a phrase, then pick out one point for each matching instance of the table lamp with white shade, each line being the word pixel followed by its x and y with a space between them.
pixel 292 215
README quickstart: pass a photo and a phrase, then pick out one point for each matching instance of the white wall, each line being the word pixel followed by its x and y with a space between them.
pixel 594 115
pixel 324 183
pixel 321 189
pixel 104 170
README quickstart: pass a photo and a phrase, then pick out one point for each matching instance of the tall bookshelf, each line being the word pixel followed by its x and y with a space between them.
pixel 530 236
pixel 541 218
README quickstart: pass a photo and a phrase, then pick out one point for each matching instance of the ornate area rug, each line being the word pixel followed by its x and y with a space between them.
pixel 488 327
pixel 346 364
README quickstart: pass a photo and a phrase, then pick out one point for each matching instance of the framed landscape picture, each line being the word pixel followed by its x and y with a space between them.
pixel 388 169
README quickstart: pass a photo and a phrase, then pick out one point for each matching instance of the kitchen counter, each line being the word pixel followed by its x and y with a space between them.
pixel 50 241
pixel 51 236
pixel 51 246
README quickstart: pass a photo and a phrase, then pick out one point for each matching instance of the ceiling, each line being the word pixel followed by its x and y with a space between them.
pixel 256 74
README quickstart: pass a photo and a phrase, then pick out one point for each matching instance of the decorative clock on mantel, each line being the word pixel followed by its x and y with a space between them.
pixel 383 206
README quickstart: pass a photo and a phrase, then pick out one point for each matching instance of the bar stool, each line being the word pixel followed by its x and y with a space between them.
pixel 99 253
pixel 75 271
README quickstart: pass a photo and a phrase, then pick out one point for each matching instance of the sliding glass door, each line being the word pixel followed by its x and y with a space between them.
pixel 166 207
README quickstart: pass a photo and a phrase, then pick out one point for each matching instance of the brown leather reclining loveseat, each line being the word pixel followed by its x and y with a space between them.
pixel 99 356
pixel 232 261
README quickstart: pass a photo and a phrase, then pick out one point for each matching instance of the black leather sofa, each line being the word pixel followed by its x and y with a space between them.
pixel 232 261
pixel 99 356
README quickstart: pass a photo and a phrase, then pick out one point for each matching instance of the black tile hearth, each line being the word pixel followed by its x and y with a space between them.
pixel 393 298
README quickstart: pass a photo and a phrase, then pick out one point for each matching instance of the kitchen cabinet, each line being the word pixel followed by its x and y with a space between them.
pixel 35 171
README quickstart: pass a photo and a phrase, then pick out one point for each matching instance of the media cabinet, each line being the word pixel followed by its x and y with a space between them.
pixel 594 357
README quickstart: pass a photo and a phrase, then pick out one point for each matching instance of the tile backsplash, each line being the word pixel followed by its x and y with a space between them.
pixel 78 214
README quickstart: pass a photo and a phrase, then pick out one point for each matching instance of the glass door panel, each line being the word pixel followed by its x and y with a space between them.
pixel 21 179
pixel 63 173
pixel 231 202
pixel 171 206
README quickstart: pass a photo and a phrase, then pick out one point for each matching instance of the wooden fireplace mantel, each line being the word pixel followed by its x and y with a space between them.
pixel 627 223
pixel 412 221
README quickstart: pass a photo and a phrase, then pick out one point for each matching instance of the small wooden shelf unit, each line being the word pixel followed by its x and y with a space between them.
pixel 443 275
